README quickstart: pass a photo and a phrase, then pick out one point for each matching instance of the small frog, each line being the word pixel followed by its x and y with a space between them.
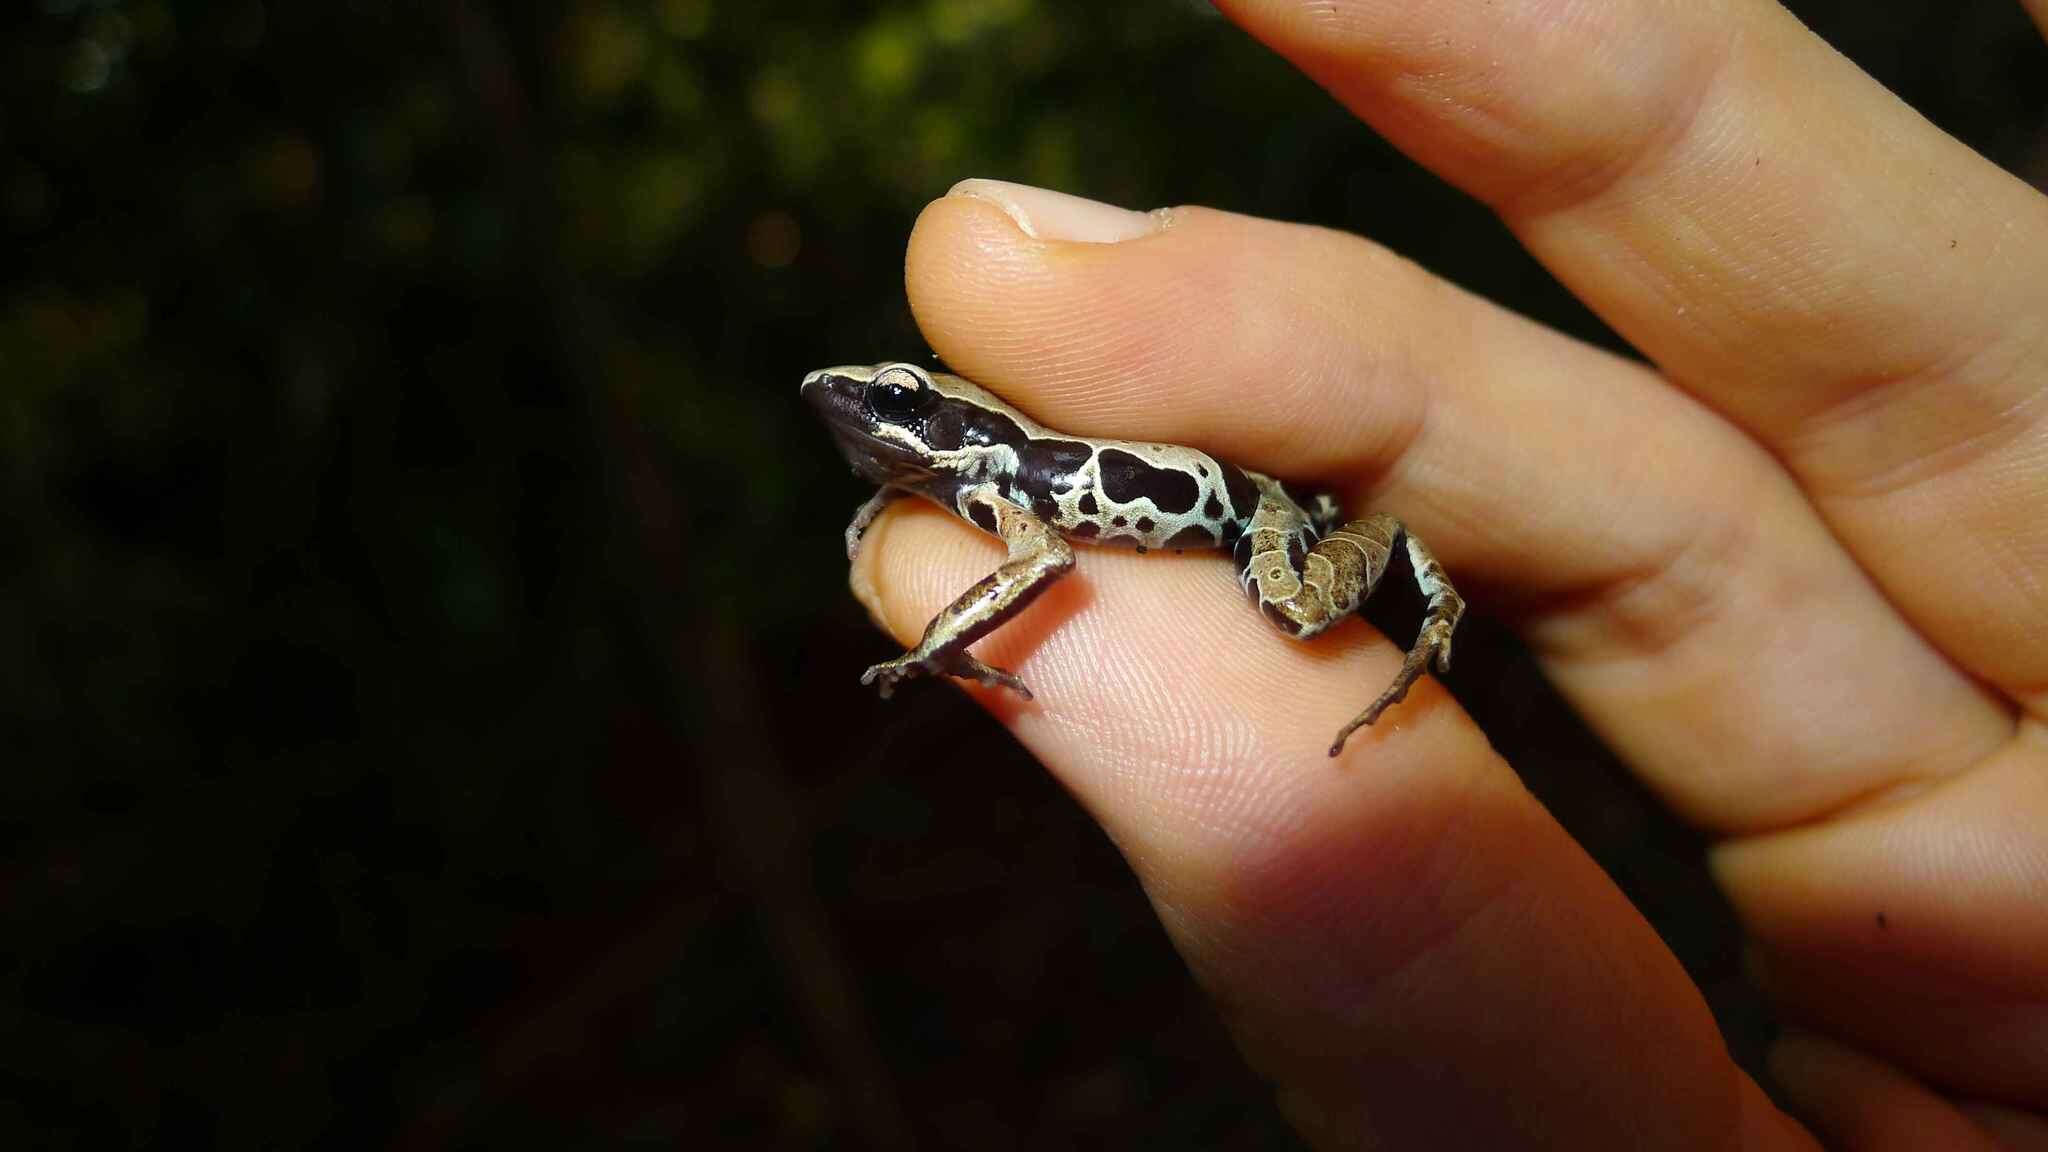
pixel 935 435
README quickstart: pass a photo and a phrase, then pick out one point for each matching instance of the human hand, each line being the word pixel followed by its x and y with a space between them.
pixel 1791 570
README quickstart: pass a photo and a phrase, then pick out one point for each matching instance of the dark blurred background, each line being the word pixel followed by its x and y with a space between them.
pixel 427 680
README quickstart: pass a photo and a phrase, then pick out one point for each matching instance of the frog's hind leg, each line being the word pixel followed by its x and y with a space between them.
pixel 1432 642
pixel 1305 588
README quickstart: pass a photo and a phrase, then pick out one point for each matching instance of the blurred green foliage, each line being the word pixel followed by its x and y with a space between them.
pixel 425 669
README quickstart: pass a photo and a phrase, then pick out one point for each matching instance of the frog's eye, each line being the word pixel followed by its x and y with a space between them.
pixel 899 394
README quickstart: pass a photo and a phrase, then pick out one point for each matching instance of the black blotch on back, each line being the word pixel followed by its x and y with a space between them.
pixel 1118 521
pixel 984 517
pixel 1305 499
pixel 1192 536
pixel 1145 524
pixel 1214 508
pixel 1051 465
pixel 1126 478
pixel 958 424
pixel 1086 530
pixel 1244 495
pixel 1046 507
pixel 1087 504
pixel 1296 552
pixel 1279 618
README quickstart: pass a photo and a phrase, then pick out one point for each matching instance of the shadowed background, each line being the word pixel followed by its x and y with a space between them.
pixel 428 703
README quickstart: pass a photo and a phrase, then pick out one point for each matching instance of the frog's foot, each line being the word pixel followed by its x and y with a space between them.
pixel 1434 642
pixel 886 676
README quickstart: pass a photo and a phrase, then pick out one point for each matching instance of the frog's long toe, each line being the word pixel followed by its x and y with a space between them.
pixel 971 669
pixel 887 675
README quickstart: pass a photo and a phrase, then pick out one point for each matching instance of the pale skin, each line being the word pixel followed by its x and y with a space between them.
pixel 1795 570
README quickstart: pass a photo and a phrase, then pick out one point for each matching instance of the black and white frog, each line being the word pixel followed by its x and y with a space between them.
pixel 913 431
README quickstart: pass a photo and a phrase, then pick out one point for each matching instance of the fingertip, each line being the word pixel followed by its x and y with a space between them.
pixel 861 574
pixel 949 219
pixel 1047 214
pixel 909 553
pixel 967 271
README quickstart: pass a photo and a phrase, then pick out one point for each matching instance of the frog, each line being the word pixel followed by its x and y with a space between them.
pixel 916 432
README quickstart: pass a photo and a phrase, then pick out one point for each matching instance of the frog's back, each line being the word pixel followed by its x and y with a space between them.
pixel 1106 491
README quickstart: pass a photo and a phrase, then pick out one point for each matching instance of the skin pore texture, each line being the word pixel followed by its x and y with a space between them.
pixel 1790 568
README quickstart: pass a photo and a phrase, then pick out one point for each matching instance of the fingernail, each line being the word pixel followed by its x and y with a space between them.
pixel 1043 214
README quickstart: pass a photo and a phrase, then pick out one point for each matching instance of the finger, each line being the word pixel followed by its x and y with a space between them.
pixel 1777 232
pixel 1857 1104
pixel 2038 9
pixel 1676 585
pixel 1973 1044
pixel 1401 939
pixel 2015 1130
pixel 1934 906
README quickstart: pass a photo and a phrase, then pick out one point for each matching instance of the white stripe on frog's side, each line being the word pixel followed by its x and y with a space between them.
pixel 994 462
pixel 939 436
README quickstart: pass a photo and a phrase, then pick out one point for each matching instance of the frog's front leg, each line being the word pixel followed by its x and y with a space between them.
pixel 864 517
pixel 1037 558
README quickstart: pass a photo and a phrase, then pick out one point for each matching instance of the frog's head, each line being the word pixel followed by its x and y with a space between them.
pixel 877 413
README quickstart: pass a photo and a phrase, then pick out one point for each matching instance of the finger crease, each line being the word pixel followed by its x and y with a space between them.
pixel 1652 606
pixel 1585 176
pixel 1934 451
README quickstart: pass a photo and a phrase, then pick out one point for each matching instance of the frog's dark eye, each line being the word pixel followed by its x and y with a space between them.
pixel 899 395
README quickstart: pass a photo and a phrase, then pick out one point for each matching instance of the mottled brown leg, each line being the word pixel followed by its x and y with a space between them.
pixel 1432 642
pixel 1037 558
pixel 1304 591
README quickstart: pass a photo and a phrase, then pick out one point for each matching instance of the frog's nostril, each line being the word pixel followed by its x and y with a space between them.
pixel 811 379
